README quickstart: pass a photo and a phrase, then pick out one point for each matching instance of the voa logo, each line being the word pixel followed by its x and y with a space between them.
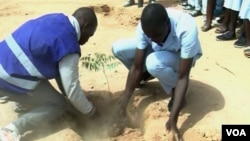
pixel 236 132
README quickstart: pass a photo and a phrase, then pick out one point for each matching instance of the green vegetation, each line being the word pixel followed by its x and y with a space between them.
pixel 100 61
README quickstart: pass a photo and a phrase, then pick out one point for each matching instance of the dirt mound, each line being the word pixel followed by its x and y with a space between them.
pixel 216 96
pixel 118 14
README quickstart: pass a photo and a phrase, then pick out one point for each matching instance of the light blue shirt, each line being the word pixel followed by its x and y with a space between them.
pixel 183 37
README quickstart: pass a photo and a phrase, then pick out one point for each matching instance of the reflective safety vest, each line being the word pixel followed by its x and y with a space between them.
pixel 33 51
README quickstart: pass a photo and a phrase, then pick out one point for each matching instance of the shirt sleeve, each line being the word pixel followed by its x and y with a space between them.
pixel 190 45
pixel 68 68
pixel 142 40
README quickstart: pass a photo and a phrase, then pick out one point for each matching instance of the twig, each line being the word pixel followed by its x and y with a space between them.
pixel 225 68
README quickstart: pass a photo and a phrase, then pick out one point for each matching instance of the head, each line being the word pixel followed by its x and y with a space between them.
pixel 155 22
pixel 87 21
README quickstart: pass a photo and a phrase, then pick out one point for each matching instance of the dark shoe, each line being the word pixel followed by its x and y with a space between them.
pixel 146 76
pixel 129 3
pixel 188 7
pixel 220 19
pixel 195 13
pixel 241 42
pixel 229 35
pixel 140 3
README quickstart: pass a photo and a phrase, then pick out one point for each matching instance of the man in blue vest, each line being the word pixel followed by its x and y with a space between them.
pixel 44 48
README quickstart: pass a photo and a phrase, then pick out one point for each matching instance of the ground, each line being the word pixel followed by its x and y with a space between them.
pixel 218 92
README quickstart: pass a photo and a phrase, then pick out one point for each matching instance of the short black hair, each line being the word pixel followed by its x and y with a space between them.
pixel 87 14
pixel 153 16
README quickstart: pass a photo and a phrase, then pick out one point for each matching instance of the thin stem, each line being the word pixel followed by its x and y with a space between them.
pixel 103 69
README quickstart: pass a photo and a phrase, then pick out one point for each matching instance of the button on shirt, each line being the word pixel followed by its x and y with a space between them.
pixel 182 38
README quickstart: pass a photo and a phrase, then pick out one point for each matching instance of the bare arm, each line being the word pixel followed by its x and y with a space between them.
pixel 133 79
pixel 180 91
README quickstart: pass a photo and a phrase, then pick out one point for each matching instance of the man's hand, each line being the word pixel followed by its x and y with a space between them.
pixel 122 116
pixel 119 122
pixel 173 130
pixel 173 136
pixel 171 125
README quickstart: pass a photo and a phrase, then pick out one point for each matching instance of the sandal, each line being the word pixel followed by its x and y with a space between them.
pixel 247 52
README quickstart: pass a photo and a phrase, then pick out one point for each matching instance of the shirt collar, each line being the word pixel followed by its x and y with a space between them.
pixel 76 26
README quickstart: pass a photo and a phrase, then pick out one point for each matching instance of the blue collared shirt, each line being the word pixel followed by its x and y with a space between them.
pixel 183 37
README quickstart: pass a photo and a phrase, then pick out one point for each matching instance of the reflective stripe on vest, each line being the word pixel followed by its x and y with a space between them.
pixel 22 83
pixel 27 64
pixel 21 56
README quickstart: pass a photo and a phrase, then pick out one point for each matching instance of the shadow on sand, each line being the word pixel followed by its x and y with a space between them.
pixel 201 100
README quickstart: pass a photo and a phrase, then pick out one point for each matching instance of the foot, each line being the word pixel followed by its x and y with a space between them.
pixel 241 42
pixel 206 27
pixel 247 52
pixel 229 35
pixel 195 13
pixel 221 30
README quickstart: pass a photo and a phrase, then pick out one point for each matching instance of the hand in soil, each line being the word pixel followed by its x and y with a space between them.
pixel 118 127
pixel 174 136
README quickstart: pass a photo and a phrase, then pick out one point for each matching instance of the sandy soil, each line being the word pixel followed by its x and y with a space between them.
pixel 219 87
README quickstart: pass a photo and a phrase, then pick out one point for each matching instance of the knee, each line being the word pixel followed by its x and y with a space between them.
pixel 115 50
pixel 151 65
pixel 161 71
pixel 158 69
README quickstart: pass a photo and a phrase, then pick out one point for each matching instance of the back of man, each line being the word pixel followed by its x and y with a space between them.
pixel 44 48
pixel 33 51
